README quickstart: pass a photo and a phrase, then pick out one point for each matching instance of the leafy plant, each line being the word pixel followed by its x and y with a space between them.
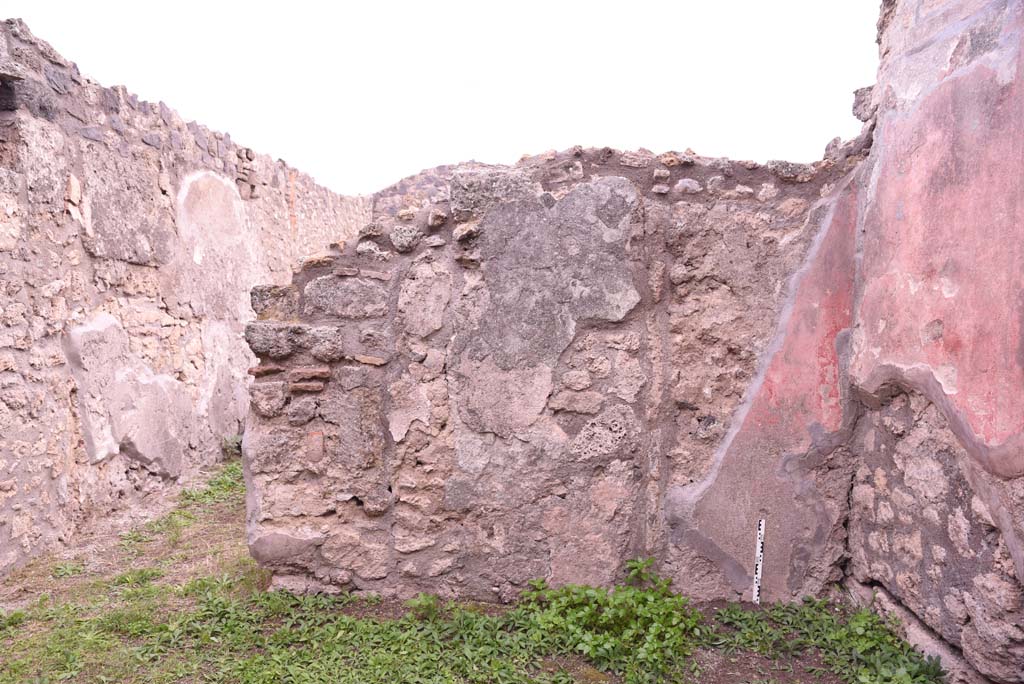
pixel 224 486
pixel 371 599
pixel 860 647
pixel 641 630
pixel 172 525
pixel 138 577
pixel 424 606
pixel 68 569
pixel 132 540
pixel 13 619
pixel 224 628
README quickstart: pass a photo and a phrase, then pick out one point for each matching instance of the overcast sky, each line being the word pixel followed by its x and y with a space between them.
pixel 362 94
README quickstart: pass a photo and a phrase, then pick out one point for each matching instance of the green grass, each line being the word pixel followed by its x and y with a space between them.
pixel 640 630
pixel 224 486
pixel 230 633
pixel 857 646
pixel 154 625
pixel 138 578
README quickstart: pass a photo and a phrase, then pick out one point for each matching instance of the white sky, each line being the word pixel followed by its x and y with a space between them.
pixel 360 95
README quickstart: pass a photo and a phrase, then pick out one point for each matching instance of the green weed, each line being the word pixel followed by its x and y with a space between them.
pixel 68 569
pixel 12 619
pixel 226 485
pixel 132 541
pixel 641 631
pixel 225 628
pixel 137 578
pixel 860 647
pixel 424 606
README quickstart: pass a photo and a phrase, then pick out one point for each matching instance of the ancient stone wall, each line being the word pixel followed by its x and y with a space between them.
pixel 899 362
pixel 937 354
pixel 128 242
pixel 508 371
pixel 547 369
pixel 489 374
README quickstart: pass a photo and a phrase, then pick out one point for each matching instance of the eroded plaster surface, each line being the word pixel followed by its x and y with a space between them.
pixel 129 240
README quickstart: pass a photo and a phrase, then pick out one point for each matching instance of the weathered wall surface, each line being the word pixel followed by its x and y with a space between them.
pixel 128 242
pixel 783 459
pixel 547 369
pixel 492 374
pixel 924 536
pixel 511 367
pixel 938 508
